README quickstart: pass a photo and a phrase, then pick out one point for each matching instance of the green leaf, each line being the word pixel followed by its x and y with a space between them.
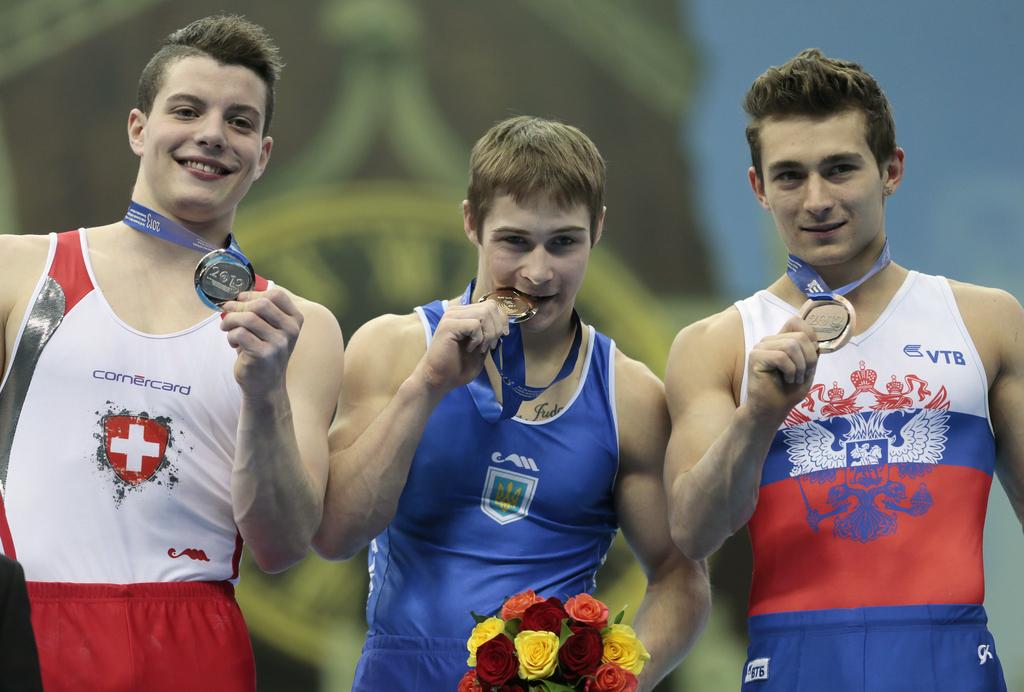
pixel 566 632
pixel 478 617
pixel 556 687
pixel 618 618
pixel 513 626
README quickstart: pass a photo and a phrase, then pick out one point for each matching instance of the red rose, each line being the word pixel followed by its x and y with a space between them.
pixel 580 654
pixel 612 678
pixel 514 686
pixel 545 617
pixel 469 683
pixel 496 661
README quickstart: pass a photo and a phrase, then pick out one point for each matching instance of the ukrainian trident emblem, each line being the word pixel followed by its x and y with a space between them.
pixel 507 495
pixel 873 442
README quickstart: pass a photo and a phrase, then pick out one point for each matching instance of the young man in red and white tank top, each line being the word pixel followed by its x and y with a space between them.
pixel 862 470
pixel 145 437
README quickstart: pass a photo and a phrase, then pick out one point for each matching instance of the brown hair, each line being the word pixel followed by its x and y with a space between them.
pixel 814 85
pixel 526 155
pixel 229 39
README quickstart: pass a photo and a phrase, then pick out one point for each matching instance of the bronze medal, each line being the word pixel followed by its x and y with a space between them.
pixel 832 319
pixel 518 306
pixel 221 276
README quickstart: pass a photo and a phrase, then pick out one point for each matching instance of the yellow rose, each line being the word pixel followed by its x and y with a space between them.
pixel 483 632
pixel 622 647
pixel 537 652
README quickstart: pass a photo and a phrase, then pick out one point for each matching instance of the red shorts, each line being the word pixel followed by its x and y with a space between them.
pixel 153 637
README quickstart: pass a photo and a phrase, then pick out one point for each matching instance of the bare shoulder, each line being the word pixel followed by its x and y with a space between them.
pixel 709 351
pixel 22 246
pixel 21 258
pixel 995 320
pixel 994 302
pixel 715 333
pixel 393 332
pixel 314 314
pixel 635 383
pixel 389 345
pixel 642 415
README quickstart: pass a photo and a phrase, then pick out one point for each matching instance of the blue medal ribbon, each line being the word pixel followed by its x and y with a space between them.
pixel 814 287
pixel 510 360
pixel 144 219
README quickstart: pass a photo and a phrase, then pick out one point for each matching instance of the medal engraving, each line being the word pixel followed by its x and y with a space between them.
pixel 518 306
pixel 832 320
pixel 221 276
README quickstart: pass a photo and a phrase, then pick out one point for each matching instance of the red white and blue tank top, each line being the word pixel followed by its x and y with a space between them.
pixel 875 488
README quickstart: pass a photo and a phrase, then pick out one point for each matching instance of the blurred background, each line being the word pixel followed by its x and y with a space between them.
pixel 378 107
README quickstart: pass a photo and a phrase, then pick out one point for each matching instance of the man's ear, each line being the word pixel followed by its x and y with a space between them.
pixel 468 224
pixel 265 146
pixel 892 172
pixel 137 131
pixel 598 227
pixel 757 185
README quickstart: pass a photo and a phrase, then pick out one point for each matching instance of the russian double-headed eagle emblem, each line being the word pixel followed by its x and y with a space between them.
pixel 871 442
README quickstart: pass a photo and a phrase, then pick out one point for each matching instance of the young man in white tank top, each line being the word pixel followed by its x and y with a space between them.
pixel 146 436
pixel 861 469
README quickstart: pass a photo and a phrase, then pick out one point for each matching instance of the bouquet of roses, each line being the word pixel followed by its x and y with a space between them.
pixel 543 644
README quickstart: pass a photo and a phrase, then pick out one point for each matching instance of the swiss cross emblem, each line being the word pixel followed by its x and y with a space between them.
pixel 134 446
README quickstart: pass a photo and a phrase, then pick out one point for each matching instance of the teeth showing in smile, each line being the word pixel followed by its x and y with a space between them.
pixel 205 168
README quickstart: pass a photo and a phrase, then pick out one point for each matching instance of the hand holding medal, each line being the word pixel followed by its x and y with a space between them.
pixel 510 359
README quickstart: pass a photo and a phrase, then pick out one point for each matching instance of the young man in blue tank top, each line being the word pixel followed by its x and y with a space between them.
pixel 464 504
pixel 865 498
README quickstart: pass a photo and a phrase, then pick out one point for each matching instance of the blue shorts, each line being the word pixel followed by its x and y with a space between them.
pixel 398 664
pixel 882 649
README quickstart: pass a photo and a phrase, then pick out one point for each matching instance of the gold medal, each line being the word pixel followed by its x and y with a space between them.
pixel 832 319
pixel 518 306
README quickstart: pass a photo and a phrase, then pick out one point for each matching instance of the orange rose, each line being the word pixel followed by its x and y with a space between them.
pixel 516 605
pixel 469 683
pixel 587 610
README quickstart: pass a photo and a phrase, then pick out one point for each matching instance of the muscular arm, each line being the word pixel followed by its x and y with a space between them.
pixel 677 601
pixel 717 448
pixel 392 386
pixel 996 322
pixel 289 369
pixel 380 420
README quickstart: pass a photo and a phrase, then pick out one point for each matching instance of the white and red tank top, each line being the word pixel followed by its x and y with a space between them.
pixel 116 446
pixel 875 488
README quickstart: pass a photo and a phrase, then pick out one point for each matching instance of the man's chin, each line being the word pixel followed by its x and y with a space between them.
pixel 201 208
pixel 547 316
